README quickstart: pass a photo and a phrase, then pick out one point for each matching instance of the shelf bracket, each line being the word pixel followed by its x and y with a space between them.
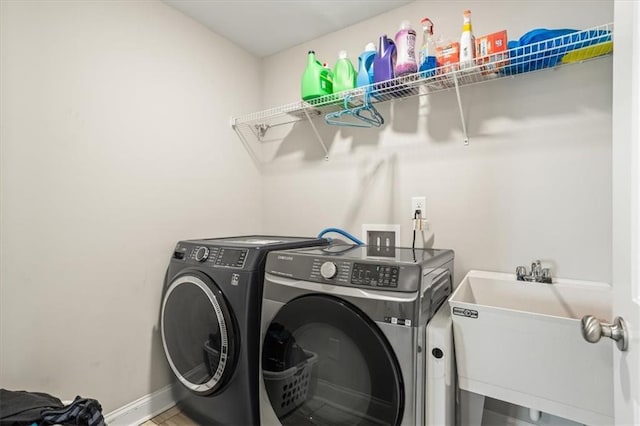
pixel 313 126
pixel 245 142
pixel 464 126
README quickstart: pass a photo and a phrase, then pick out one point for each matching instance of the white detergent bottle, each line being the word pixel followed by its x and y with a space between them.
pixel 467 42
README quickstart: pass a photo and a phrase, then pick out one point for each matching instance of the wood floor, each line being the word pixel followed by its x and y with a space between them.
pixel 171 417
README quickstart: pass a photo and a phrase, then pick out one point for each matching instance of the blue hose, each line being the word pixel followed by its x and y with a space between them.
pixel 341 232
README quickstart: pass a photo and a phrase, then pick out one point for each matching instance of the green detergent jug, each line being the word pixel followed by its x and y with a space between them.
pixel 344 75
pixel 316 79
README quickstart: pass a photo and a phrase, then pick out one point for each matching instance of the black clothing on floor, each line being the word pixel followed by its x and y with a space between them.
pixel 21 408
pixel 82 411
pixel 24 408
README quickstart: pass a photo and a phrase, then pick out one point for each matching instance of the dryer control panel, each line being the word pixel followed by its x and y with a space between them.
pixel 329 271
pixel 375 275
pixel 334 270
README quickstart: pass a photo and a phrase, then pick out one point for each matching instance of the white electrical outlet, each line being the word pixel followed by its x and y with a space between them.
pixel 419 203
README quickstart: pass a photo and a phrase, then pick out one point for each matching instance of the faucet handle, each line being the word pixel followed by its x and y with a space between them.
pixel 521 271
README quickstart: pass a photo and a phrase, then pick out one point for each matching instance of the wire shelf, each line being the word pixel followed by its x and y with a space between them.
pixel 574 47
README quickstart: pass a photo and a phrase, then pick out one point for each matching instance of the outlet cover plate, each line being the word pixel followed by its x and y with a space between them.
pixel 367 229
pixel 421 204
pixel 386 249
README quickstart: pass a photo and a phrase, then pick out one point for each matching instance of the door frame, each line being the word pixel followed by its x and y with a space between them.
pixel 625 207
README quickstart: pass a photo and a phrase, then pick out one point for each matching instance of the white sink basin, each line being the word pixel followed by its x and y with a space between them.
pixel 521 342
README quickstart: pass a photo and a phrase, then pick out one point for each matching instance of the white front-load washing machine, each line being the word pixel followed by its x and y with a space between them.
pixel 344 334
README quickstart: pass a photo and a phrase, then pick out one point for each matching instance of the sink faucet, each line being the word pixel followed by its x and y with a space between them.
pixel 538 273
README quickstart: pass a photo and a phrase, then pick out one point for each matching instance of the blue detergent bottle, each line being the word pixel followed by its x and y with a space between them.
pixel 365 65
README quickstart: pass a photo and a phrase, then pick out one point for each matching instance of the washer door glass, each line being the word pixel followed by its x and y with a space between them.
pixel 326 363
pixel 197 334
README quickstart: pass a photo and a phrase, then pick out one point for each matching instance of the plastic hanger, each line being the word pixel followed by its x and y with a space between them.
pixel 374 116
pixel 365 115
pixel 339 118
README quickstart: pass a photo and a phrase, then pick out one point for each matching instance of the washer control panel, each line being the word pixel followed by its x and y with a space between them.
pixel 231 258
pixel 202 254
pixel 219 256
pixel 373 275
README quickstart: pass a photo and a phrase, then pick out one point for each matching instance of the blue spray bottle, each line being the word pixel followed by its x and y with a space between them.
pixel 427 61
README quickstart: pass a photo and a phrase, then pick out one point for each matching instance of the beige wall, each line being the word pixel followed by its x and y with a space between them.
pixel 535 181
pixel 115 144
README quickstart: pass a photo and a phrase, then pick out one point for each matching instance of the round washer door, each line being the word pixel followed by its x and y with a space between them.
pixel 198 333
pixel 325 362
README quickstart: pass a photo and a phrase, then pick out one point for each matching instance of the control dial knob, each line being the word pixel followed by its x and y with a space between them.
pixel 202 254
pixel 328 270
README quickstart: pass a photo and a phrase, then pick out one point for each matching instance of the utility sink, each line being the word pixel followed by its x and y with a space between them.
pixel 521 342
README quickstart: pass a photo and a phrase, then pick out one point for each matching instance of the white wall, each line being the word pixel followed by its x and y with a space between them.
pixel 115 144
pixel 535 181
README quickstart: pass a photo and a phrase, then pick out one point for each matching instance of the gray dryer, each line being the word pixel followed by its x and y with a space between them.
pixel 343 334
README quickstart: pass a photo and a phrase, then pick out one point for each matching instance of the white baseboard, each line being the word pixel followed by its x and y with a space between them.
pixel 142 409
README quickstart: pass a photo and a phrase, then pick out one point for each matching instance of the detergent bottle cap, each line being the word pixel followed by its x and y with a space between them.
pixel 466 25
pixel 405 25
pixel 342 54
pixel 370 47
